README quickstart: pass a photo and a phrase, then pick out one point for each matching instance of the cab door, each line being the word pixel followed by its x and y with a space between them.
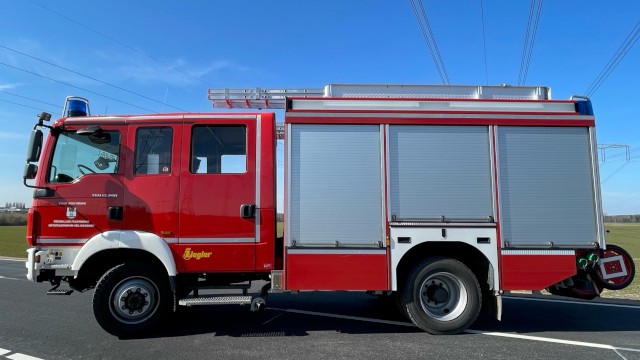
pixel 85 173
pixel 218 193
pixel 152 179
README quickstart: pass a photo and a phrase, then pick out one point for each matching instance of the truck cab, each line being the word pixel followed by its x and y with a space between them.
pixel 191 194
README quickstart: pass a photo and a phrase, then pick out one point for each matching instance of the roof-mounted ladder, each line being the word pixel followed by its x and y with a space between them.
pixel 258 98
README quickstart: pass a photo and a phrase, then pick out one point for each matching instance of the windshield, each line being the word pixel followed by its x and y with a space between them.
pixel 76 155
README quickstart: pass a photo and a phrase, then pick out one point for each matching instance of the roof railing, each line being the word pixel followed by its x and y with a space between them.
pixel 259 98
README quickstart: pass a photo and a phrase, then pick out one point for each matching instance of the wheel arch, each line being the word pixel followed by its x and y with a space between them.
pixel 467 254
pixel 106 250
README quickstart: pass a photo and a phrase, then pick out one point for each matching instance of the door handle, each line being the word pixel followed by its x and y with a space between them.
pixel 114 213
pixel 248 211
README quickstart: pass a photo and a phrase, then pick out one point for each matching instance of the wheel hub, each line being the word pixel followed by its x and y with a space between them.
pixel 134 300
pixel 436 293
pixel 443 296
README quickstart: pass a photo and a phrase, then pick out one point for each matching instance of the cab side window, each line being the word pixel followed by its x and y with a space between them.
pixel 153 150
pixel 219 149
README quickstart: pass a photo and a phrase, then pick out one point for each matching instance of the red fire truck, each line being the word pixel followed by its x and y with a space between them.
pixel 442 197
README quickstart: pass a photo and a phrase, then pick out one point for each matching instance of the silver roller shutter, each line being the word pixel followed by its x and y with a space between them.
pixel 546 186
pixel 440 171
pixel 335 190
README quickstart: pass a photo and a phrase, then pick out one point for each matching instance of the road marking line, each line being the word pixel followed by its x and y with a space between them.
pixel 18 356
pixel 469 331
pixel 622 356
pixel 574 302
pixel 4 351
pixel 13 259
pixel 543 339
pixel 8 278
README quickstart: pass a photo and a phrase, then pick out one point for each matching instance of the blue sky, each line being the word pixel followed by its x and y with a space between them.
pixel 174 51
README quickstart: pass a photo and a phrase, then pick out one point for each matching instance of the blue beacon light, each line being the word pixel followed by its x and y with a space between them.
pixel 76 106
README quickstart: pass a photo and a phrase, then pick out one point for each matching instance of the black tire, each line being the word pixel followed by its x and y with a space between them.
pixel 399 303
pixel 132 299
pixel 621 282
pixel 442 296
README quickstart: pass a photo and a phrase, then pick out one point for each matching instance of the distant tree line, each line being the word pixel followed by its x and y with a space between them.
pixel 622 218
pixel 15 205
pixel 13 219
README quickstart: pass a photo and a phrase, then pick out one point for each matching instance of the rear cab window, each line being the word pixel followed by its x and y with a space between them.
pixel 153 150
pixel 219 149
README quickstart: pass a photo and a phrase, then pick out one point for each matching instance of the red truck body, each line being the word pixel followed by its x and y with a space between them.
pixel 441 196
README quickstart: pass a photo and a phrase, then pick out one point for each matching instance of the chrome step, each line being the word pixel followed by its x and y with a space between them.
pixel 215 300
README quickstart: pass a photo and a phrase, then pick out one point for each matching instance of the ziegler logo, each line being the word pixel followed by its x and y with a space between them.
pixel 188 254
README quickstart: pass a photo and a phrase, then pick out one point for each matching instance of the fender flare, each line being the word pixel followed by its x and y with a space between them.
pixel 127 239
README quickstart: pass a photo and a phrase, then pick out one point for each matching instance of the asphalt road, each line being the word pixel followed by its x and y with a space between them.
pixel 311 325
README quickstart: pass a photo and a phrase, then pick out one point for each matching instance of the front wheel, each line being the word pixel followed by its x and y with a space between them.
pixel 131 299
pixel 442 296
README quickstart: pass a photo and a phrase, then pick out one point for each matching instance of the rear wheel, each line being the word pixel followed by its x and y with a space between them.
pixel 131 299
pixel 442 296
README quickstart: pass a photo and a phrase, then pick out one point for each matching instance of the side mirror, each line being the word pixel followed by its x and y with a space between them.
pixel 30 171
pixel 35 146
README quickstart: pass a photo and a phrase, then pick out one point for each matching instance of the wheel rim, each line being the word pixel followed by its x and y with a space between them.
pixel 443 296
pixel 134 300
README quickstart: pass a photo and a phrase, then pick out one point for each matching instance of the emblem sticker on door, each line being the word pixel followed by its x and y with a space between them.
pixel 71 212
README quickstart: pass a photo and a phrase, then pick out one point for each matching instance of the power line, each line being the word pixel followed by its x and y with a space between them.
pixel 529 40
pixel 88 77
pixel 484 43
pixel 431 41
pixel 615 172
pixel 28 98
pixel 27 106
pixel 526 40
pixel 426 38
pixel 622 51
pixel 116 41
pixel 76 87
pixel 533 38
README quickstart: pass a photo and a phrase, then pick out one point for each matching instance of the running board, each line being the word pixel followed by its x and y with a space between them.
pixel 216 300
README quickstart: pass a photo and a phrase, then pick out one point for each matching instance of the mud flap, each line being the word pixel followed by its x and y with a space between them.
pixel 493 304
